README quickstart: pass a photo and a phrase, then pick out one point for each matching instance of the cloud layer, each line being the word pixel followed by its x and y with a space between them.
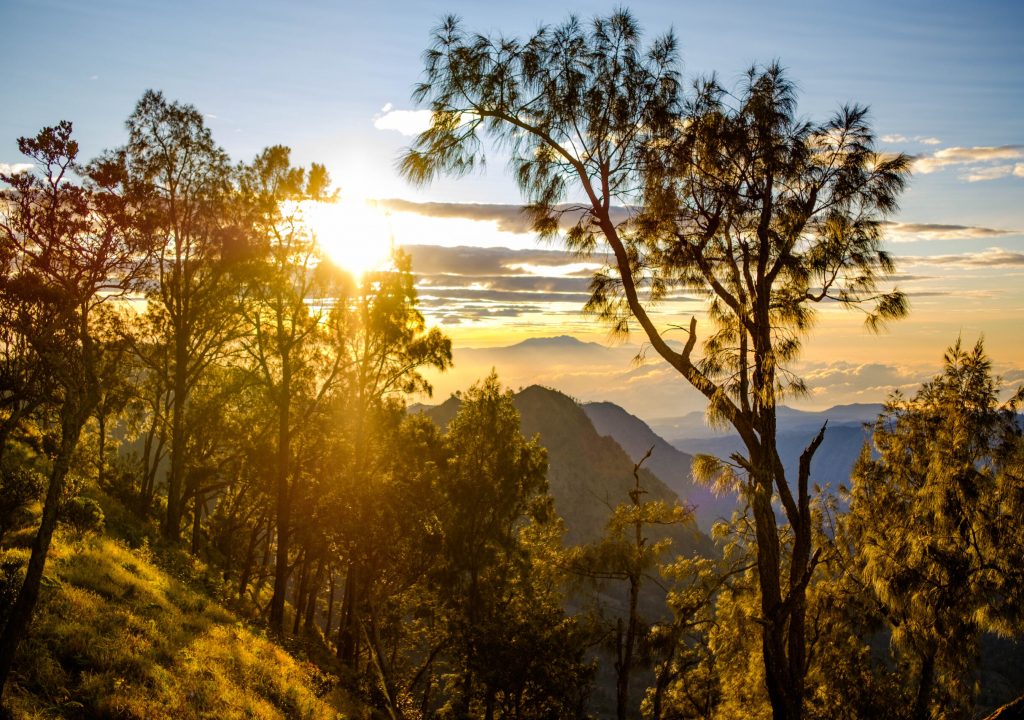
pixel 979 163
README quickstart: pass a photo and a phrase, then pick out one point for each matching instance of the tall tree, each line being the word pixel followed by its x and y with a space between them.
pixel 625 553
pixel 513 652
pixel 67 251
pixel 386 345
pixel 286 332
pixel 935 525
pixel 182 177
pixel 725 195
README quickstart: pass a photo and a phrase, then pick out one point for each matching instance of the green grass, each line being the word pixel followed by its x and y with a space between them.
pixel 117 636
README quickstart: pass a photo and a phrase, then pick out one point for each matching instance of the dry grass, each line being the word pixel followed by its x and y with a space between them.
pixel 117 637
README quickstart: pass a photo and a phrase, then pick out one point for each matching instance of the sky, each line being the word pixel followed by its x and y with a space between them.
pixel 332 80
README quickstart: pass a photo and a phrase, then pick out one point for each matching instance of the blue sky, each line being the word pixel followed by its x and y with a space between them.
pixel 945 82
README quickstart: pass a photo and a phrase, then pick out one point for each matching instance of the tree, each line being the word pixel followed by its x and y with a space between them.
pixel 286 335
pixel 512 651
pixel 70 248
pixel 935 523
pixel 386 345
pixel 726 196
pixel 624 553
pixel 181 177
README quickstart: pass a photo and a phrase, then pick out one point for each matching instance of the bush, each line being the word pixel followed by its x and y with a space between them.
pixel 10 584
pixel 19 488
pixel 82 514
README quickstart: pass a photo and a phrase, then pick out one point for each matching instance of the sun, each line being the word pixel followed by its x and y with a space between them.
pixel 354 233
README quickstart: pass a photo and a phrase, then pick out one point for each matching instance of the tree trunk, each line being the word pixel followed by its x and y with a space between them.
pixel 101 466
pixel 197 519
pixel 300 590
pixel 330 605
pixel 72 420
pixel 349 619
pixel 311 596
pixel 284 507
pixel 924 688
pixel 250 557
pixel 172 523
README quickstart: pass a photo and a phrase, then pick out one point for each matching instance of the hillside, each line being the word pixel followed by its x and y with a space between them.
pixel 668 463
pixel 130 632
pixel 588 473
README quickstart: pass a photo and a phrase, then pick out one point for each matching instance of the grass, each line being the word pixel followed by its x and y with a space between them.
pixel 117 636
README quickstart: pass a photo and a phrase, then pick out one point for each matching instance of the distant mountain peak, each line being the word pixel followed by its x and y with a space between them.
pixel 554 341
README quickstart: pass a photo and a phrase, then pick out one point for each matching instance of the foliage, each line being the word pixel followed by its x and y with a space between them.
pixel 19 487
pixel 82 514
pixel 934 527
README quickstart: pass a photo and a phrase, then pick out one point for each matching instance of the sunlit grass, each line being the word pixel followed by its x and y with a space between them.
pixel 116 636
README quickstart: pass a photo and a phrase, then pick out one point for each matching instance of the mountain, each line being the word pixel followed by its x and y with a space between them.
pixel 588 473
pixel 668 463
pixel 834 459
pixel 693 425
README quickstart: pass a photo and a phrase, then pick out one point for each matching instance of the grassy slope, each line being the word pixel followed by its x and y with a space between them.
pixel 116 635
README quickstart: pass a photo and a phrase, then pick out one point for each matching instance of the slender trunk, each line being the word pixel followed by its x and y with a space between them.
pixel 101 466
pixel 349 619
pixel 330 605
pixel 311 596
pixel 489 703
pixel 268 541
pixel 924 688
pixel 300 591
pixel 72 420
pixel 250 557
pixel 284 508
pixel 197 519
pixel 150 465
pixel 172 523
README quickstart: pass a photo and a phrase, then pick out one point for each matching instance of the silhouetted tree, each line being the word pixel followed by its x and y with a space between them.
pixel 68 248
pixel 725 195
pixel 181 178
pixel 288 322
pixel 625 553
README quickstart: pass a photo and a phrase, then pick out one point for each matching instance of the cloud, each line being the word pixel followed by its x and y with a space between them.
pixel 988 173
pixel 406 122
pixel 482 261
pixel 843 382
pixel 1018 170
pixel 14 168
pixel 509 218
pixel 924 140
pixel 516 283
pixel 911 232
pixel 992 257
pixel 973 156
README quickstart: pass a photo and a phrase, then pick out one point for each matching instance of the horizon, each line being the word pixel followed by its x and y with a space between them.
pixel 945 83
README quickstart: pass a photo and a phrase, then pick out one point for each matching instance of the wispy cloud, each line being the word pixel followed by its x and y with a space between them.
pixel 911 232
pixel 476 262
pixel 923 139
pixel 509 218
pixel 978 162
pixel 14 168
pixel 992 257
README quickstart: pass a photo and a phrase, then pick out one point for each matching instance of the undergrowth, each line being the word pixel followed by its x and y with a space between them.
pixel 125 631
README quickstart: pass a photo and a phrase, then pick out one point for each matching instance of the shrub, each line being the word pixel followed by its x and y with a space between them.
pixel 19 488
pixel 82 514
